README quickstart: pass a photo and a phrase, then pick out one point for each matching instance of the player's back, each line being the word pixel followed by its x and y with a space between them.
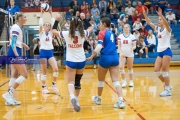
pixel 109 42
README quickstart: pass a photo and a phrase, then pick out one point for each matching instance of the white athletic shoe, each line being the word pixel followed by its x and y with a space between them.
pixel 75 104
pixel 96 100
pixel 15 101
pixel 170 87
pixel 165 93
pixel 45 90
pixel 55 88
pixel 124 83
pixel 119 104
pixel 131 84
pixel 8 98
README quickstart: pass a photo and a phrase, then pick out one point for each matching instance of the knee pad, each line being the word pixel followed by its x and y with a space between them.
pixel 116 84
pixel 130 71
pixel 55 74
pixel 11 81
pixel 165 74
pixel 122 71
pixel 20 79
pixel 100 83
pixel 70 84
pixel 77 81
pixel 158 73
pixel 43 77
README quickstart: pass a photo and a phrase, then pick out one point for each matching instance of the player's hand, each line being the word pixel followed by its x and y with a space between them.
pixel 122 55
pixel 50 10
pixel 89 58
pixel 42 11
pixel 58 17
pixel 26 47
pixel 159 12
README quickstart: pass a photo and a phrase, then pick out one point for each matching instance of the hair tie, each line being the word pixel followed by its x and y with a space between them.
pixel 79 20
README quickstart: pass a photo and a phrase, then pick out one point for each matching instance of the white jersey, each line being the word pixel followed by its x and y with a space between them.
pixel 17 31
pixel 127 44
pixel 46 41
pixel 74 47
pixel 163 39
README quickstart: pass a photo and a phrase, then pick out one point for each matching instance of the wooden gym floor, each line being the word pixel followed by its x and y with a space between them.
pixel 142 101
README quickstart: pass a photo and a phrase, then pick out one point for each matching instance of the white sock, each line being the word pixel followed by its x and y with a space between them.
pixel 120 98
pixel 72 96
pixel 99 97
pixel 11 90
pixel 124 80
pixel 167 87
pixel 11 82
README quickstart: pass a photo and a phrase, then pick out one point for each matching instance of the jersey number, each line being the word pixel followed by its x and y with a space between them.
pixel 125 41
pixel 112 38
pixel 75 41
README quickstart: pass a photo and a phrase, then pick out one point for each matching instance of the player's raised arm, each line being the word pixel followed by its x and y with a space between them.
pixel 147 19
pixel 41 21
pixel 159 12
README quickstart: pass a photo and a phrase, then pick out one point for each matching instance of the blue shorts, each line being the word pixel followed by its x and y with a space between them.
pixel 11 53
pixel 107 61
pixel 46 54
pixel 166 52
pixel 76 65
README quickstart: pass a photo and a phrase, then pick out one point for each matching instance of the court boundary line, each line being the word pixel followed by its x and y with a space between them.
pixel 138 114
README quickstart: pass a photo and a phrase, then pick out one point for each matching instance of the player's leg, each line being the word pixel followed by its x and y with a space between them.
pixel 114 76
pixel 70 73
pixel 54 66
pixel 122 72
pixel 23 75
pixel 157 68
pixel 43 62
pixel 165 74
pixel 130 70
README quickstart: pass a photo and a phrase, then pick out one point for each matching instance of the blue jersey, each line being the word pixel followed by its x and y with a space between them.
pixel 108 41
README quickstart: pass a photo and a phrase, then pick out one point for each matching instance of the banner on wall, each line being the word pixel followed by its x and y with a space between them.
pixel 30 4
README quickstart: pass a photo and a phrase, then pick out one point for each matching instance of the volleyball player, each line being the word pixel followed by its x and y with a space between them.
pixel 164 49
pixel 46 52
pixel 108 61
pixel 126 45
pixel 16 44
pixel 75 56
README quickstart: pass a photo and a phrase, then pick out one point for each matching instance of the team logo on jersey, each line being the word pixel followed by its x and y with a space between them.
pixel 75 45
pixel 47 38
pixel 160 36
pixel 125 41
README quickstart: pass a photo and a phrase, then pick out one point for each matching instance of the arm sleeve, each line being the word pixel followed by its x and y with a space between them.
pixel 101 37
pixel 86 33
pixel 133 38
pixel 61 34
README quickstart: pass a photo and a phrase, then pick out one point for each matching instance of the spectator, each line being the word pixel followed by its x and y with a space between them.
pixel 2 53
pixel 91 43
pixel 171 18
pixel 104 15
pixel 142 47
pixel 36 51
pixel 114 12
pixel 86 46
pixel 119 5
pixel 94 10
pixel 137 25
pixel 143 32
pixel 13 9
pixel 135 16
pixel 71 5
pixel 88 17
pixel 127 2
pixel 129 10
pixel 98 55
pixel 82 8
pixel 136 34
pixel 31 3
pixel 135 3
pixel 87 9
pixel 168 9
pixel 148 4
pixel 113 28
pixel 151 41
pixel 86 23
pixel 110 5
pixel 102 6
pixel 77 14
pixel 122 12
pixel 139 8
pixel 75 8
pixel 67 25
pixel 178 14
pixel 120 27
pixel 97 18
pixel 162 4
pixel 37 3
pixel 94 28
pixel 26 4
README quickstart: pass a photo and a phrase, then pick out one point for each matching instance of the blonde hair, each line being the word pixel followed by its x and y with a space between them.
pixel 17 16
pixel 127 26
pixel 149 35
